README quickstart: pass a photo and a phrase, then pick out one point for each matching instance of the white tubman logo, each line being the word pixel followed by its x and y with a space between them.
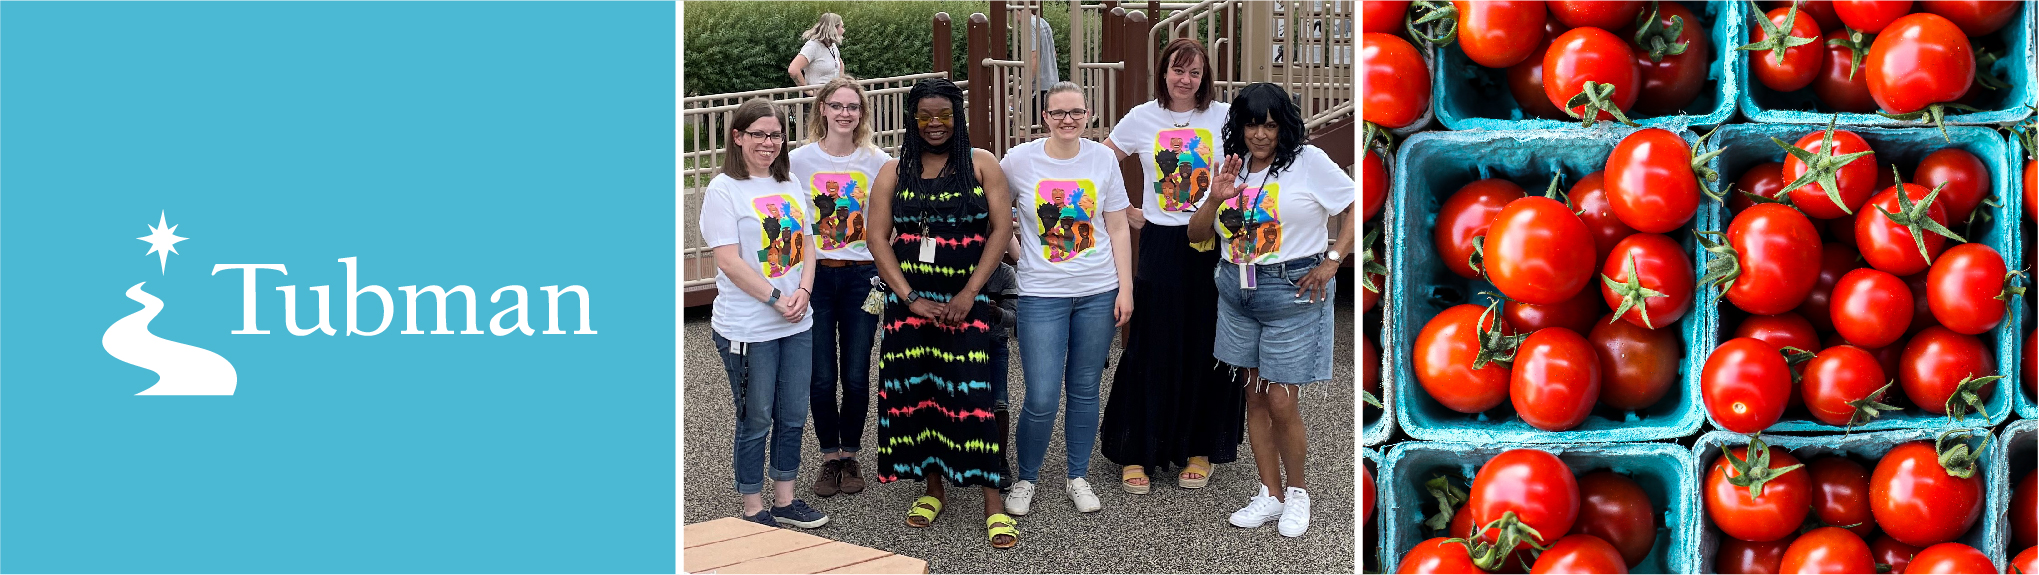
pixel 181 369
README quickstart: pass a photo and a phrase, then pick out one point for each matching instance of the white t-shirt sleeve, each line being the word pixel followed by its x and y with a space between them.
pixel 1114 185
pixel 718 223
pixel 1331 186
pixel 814 51
pixel 1131 135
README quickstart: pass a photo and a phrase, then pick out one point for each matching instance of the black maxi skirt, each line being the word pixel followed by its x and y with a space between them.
pixel 1170 400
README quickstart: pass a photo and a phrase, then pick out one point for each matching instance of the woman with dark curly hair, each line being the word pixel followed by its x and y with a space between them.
pixel 935 404
pixel 1275 284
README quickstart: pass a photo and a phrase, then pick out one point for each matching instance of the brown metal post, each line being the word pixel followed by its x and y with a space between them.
pixel 981 105
pixel 944 55
pixel 1225 58
pixel 1135 87
pixel 1000 30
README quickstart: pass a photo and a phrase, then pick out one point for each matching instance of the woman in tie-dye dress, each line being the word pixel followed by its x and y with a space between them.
pixel 935 400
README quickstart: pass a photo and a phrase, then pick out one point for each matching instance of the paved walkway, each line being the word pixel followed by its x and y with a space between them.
pixel 1170 530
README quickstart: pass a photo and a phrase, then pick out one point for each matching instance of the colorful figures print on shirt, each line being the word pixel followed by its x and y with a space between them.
pixel 839 209
pixel 1064 208
pixel 1182 166
pixel 784 236
pixel 1251 221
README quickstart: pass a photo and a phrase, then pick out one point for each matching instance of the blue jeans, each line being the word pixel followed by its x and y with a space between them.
pixel 769 382
pixel 839 317
pixel 1062 340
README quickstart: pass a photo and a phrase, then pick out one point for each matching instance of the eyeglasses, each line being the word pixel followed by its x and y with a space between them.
pixel 766 136
pixel 841 107
pixel 1067 114
pixel 945 117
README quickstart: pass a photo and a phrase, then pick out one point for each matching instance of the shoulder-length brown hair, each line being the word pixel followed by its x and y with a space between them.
pixel 1179 52
pixel 750 111
pixel 817 122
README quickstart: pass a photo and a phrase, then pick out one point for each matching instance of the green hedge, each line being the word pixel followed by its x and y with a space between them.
pixel 743 46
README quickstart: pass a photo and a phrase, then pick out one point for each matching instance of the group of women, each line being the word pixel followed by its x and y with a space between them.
pixel 1228 302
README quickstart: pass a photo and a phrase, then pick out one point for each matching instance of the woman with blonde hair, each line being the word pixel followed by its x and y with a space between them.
pixel 835 169
pixel 820 60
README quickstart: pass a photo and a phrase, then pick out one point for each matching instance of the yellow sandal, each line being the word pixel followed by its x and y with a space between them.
pixel 1001 524
pixel 1201 467
pixel 926 509
pixel 1131 473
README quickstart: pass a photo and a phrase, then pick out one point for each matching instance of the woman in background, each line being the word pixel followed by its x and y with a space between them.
pixel 820 59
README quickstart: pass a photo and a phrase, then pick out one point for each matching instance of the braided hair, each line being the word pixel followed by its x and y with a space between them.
pixel 958 174
pixel 1256 104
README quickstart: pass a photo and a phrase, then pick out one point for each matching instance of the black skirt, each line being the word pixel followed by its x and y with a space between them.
pixel 1170 400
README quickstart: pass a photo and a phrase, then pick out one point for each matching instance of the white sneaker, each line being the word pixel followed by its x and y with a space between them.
pixel 1295 515
pixel 1258 511
pixel 1079 491
pixel 1021 499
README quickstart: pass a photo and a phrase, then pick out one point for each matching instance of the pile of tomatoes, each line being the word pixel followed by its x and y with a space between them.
pixel 1547 344
pixel 1527 512
pixel 1902 57
pixel 1855 283
pixel 1780 515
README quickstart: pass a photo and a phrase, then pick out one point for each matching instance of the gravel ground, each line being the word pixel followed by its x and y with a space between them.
pixel 1170 530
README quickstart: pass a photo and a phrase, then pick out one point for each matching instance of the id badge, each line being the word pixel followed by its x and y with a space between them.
pixel 1248 277
pixel 927 249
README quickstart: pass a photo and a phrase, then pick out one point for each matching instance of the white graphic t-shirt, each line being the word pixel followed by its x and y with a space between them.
pixel 1281 218
pixel 837 189
pixel 764 219
pixel 1065 251
pixel 1179 161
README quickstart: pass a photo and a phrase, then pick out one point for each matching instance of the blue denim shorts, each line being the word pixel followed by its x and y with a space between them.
pixel 1287 337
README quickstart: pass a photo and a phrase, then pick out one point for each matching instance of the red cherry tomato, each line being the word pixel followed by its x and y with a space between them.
pixel 1801 63
pixel 1841 85
pixel 1538 252
pixel 1738 556
pixel 2027 561
pixel 1822 11
pixel 1366 496
pixel 2025 512
pixel 1890 247
pixel 1871 308
pixel 1618 511
pixel 1919 60
pixel 1534 485
pixel 1525 78
pixel 1745 384
pixel 1835 377
pixel 1580 553
pixel 1598 14
pixel 1576 314
pixel 1835 261
pixel 1383 16
pixel 1775 515
pixel 1855 180
pixel 1967 180
pixel 1828 550
pixel 1886 356
pixel 1581 55
pixel 1438 555
pixel 1674 80
pixel 2031 189
pixel 1937 362
pixel 1916 501
pixel 1589 199
pixel 1765 179
pixel 1498 33
pixel 1443 362
pixel 1374 185
pixel 1950 558
pixel 1778 255
pixel 1783 330
pixel 1556 379
pixel 1975 17
pixel 1396 84
pixel 1963 289
pixel 1892 552
pixel 1922 312
pixel 1637 364
pixel 1650 182
pixel 1467 214
pixel 1462 527
pixel 1646 264
pixel 1870 16
pixel 1840 494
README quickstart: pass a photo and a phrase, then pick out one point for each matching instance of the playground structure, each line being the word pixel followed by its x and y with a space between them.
pixel 1306 46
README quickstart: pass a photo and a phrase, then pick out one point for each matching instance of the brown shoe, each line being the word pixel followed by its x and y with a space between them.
pixel 825 480
pixel 851 477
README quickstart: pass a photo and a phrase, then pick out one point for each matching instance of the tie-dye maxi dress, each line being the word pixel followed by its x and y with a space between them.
pixel 934 396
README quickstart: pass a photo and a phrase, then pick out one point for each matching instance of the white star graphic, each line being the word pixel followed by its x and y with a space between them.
pixel 162 240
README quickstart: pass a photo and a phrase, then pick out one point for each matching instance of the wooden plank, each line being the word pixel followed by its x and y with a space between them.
pixel 816 559
pixel 734 551
pixel 886 564
pixel 723 529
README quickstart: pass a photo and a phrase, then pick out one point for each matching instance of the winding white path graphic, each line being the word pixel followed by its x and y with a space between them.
pixel 181 369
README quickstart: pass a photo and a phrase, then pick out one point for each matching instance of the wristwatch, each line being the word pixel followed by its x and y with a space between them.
pixel 1333 255
pixel 775 297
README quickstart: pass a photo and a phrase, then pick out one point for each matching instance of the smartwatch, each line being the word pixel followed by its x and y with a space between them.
pixel 775 297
